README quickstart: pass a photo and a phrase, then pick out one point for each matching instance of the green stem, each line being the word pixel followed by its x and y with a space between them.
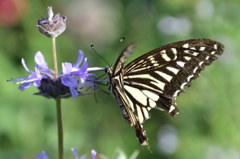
pixel 60 129
pixel 58 104
pixel 54 52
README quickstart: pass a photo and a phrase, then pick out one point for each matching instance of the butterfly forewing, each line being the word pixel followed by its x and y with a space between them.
pixel 155 79
pixel 118 67
pixel 161 74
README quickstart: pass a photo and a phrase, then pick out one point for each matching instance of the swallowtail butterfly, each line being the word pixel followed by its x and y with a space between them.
pixel 155 79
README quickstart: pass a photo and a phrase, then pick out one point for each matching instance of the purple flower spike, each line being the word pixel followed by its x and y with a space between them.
pixel 69 83
pixel 42 155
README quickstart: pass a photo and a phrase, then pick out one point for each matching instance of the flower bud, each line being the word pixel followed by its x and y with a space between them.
pixel 52 25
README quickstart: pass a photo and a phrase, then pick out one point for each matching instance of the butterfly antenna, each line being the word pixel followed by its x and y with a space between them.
pixel 92 47
pixel 118 47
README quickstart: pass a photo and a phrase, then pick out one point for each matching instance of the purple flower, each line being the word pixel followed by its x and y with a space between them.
pixel 43 155
pixel 41 71
pixel 94 154
pixel 74 76
pixel 69 83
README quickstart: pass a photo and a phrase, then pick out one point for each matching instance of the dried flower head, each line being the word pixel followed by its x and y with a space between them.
pixel 53 25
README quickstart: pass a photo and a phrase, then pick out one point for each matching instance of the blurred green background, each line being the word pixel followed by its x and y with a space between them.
pixel 208 124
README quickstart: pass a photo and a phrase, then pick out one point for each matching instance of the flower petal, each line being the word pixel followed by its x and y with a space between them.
pixel 66 67
pixel 18 79
pixel 72 83
pixel 84 66
pixel 80 58
pixel 96 69
pixel 25 66
pixel 69 81
pixel 30 80
pixel 42 155
pixel 74 153
pixel 74 92
pixel 94 154
pixel 37 73
pixel 82 81
pixel 40 61
pixel 24 86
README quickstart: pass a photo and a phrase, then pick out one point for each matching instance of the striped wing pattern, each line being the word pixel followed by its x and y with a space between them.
pixel 116 75
pixel 155 79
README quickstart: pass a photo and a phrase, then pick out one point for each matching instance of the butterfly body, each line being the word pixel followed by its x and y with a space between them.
pixel 155 79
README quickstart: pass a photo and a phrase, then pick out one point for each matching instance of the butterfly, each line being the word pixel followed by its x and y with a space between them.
pixel 155 79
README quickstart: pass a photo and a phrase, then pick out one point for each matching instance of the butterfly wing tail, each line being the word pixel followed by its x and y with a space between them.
pixel 141 134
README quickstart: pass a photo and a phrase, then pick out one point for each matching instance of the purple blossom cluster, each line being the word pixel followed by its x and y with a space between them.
pixel 43 155
pixel 71 80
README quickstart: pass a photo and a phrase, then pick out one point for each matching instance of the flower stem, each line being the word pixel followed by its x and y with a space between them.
pixel 54 52
pixel 60 129
pixel 58 104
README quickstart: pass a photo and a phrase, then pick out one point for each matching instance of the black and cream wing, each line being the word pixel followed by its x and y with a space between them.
pixel 118 68
pixel 116 75
pixel 155 79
